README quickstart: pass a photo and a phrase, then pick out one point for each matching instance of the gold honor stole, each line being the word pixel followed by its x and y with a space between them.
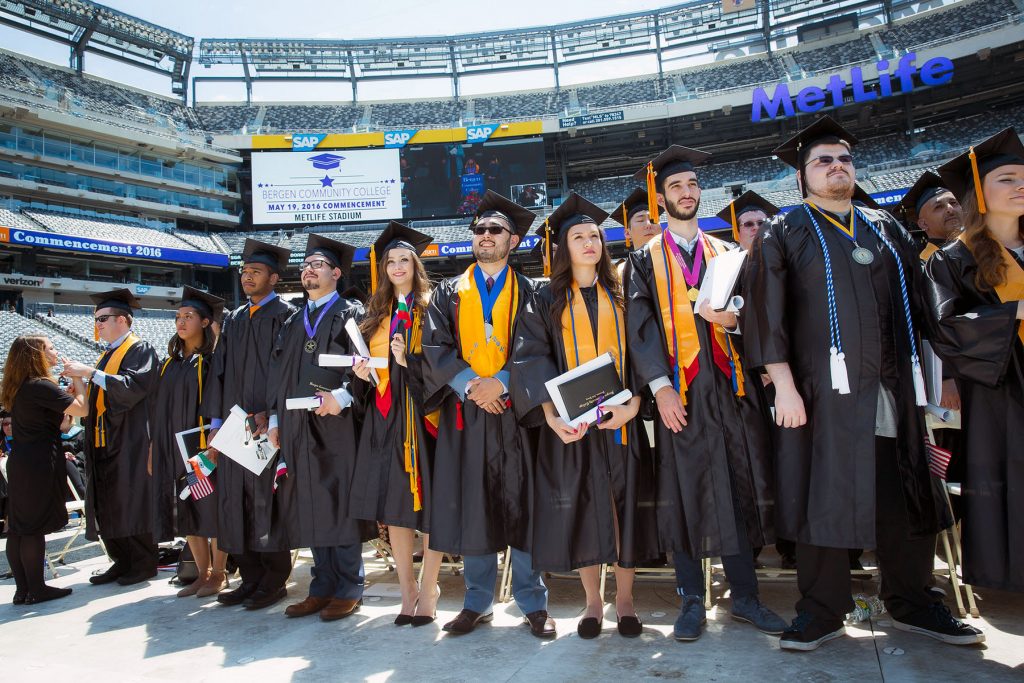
pixel 199 374
pixel 111 367
pixel 1013 288
pixel 380 347
pixel 578 337
pixel 679 322
pixel 485 356
pixel 928 250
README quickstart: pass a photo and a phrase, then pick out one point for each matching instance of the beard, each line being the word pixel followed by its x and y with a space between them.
pixel 674 211
pixel 492 254
pixel 837 187
pixel 309 284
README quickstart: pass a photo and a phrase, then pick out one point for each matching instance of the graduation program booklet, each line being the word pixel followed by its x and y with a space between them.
pixel 235 440
pixel 577 393
pixel 720 282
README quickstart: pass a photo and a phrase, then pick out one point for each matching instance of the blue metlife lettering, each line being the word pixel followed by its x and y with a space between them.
pixel 936 71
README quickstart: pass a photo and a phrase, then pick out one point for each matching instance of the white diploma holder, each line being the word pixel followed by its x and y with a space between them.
pixel 364 351
pixel 720 282
pixel 334 360
pixel 235 440
pixel 304 403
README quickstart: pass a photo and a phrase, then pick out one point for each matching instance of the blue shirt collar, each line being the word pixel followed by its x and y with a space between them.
pixel 321 301
pixel 120 340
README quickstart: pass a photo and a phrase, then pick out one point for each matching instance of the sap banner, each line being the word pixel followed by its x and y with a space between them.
pixel 322 186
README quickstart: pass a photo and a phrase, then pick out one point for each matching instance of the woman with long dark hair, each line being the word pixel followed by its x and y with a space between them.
pixel 396 444
pixel 35 468
pixel 585 510
pixel 976 297
pixel 176 408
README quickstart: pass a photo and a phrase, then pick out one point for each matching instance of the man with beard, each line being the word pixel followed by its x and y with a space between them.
pixel 482 472
pixel 833 285
pixel 238 376
pixel 712 439
pixel 318 445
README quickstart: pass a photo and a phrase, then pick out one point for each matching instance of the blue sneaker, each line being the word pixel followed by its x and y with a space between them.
pixel 691 618
pixel 753 612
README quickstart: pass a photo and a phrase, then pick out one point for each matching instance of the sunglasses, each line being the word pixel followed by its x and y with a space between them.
pixel 828 160
pixel 105 318
pixel 487 230
pixel 752 224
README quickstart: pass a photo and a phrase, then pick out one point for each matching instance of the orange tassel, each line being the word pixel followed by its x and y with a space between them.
pixel 652 195
pixel 373 269
pixel 735 228
pixel 625 223
pixel 95 332
pixel 977 182
pixel 547 248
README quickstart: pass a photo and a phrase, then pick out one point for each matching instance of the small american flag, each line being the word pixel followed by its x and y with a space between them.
pixel 199 485
pixel 938 459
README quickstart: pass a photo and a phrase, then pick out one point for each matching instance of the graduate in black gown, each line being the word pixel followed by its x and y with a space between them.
pixel 976 297
pixel 119 493
pixel 36 465
pixel 176 408
pixel 712 440
pixel 638 228
pixel 482 473
pixel 745 215
pixel 318 445
pixel 586 509
pixel 832 314
pixel 391 484
pixel 246 503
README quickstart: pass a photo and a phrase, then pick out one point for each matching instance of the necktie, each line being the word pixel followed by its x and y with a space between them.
pixel 490 283
pixel 312 308
pixel 253 309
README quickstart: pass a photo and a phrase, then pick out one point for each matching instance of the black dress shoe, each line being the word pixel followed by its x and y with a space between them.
pixel 46 594
pixel 109 576
pixel 263 598
pixel 19 598
pixel 237 596
pixel 403 619
pixel 136 577
pixel 423 620
pixel 466 621
pixel 589 627
pixel 630 627
pixel 541 625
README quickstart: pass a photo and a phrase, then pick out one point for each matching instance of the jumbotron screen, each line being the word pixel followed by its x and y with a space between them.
pixel 417 181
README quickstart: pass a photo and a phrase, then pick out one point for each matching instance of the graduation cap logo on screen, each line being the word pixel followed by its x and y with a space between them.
pixel 326 161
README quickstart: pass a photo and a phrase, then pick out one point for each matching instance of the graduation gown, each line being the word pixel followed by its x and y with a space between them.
pixel 119 492
pixel 482 476
pixel 175 408
pixel 381 490
pixel 245 502
pixel 312 502
pixel 723 457
pixel 580 488
pixel 985 355
pixel 825 470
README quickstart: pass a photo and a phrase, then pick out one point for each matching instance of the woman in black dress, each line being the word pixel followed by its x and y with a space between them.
pixel 35 470
pixel 175 408
pixel 392 473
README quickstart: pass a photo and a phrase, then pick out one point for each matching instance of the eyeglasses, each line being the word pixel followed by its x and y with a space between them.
pixel 487 229
pixel 828 160
pixel 105 318
pixel 315 264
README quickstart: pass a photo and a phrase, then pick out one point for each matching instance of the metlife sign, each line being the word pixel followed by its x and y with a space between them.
pixel 903 79
pixel 591 119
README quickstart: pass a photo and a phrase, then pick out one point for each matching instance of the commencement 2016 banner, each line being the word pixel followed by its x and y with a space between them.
pixel 88 245
pixel 322 186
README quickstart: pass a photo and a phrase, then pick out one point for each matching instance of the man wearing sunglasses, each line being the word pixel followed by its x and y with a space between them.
pixel 831 316
pixel 481 470
pixel 238 376
pixel 119 495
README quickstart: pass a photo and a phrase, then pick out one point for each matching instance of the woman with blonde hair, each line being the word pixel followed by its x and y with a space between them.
pixel 976 300
pixel 36 470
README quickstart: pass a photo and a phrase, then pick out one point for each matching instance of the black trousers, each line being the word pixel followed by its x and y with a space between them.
pixel 268 570
pixel 132 554
pixel 905 563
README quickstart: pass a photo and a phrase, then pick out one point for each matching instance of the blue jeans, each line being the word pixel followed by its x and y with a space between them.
pixel 338 572
pixel 481 573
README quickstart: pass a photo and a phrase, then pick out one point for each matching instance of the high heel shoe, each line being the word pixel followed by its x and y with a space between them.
pixel 422 619
pixel 404 619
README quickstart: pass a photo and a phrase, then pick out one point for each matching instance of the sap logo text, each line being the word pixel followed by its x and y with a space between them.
pixel 480 133
pixel 398 138
pixel 936 71
pixel 306 142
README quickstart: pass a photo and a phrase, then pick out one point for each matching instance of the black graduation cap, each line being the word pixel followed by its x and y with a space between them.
pixel 398 235
pixel 861 196
pixel 792 151
pixel 965 172
pixel 675 159
pixel 748 201
pixel 122 299
pixel 631 205
pixel 927 187
pixel 208 305
pixel 337 253
pixel 494 204
pixel 357 293
pixel 573 211
pixel 270 255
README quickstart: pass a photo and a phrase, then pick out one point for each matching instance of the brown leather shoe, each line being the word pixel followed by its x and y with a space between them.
pixel 310 605
pixel 541 625
pixel 339 609
pixel 466 621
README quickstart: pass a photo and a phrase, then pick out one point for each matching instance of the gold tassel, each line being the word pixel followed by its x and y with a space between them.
pixel 95 331
pixel 373 269
pixel 625 224
pixel 547 248
pixel 202 433
pixel 735 227
pixel 652 195
pixel 982 209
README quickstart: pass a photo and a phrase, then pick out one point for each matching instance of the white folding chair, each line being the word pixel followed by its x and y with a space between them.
pixel 74 506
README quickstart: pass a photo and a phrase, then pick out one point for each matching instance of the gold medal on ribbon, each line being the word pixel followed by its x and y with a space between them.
pixel 693 294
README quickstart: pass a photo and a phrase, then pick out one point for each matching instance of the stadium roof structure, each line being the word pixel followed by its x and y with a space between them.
pixel 90 27
pixel 675 32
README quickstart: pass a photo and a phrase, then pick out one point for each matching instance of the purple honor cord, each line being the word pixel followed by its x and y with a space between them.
pixel 689 275
pixel 311 329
